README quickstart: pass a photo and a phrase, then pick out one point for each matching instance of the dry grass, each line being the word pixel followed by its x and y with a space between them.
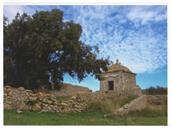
pixel 108 104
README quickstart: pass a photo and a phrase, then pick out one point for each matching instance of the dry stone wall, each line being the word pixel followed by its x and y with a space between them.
pixel 23 99
pixel 140 103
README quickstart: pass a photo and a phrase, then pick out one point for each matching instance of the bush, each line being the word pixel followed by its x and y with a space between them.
pixel 155 91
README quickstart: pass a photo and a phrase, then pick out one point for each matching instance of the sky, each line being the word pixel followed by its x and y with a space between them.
pixel 136 35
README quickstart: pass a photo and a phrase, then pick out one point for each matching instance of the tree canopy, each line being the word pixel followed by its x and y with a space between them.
pixel 41 48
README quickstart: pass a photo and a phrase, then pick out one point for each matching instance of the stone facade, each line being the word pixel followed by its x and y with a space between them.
pixel 119 79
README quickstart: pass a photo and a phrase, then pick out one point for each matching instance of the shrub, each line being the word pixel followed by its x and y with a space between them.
pixel 155 91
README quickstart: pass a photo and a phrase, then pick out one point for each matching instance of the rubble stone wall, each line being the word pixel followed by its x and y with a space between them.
pixel 142 102
pixel 23 99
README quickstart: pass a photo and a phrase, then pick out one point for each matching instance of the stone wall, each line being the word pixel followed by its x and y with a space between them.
pixel 22 99
pixel 140 103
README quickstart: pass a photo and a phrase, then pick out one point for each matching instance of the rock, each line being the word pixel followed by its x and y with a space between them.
pixel 125 106
pixel 108 115
pixel 48 95
pixel 78 110
pixel 36 107
pixel 9 92
pixel 77 106
pixel 7 106
pixel 22 106
pixel 49 101
pixel 39 94
pixel 44 105
pixel 71 101
pixel 29 91
pixel 56 103
pixel 53 98
pixel 33 98
pixel 73 97
pixel 45 101
pixel 32 95
pixel 21 88
pixel 43 110
pixel 64 104
pixel 7 86
pixel 19 111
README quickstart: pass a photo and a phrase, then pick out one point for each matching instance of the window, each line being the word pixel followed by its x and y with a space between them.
pixel 110 84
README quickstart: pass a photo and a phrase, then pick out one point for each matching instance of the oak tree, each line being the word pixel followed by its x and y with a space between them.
pixel 41 48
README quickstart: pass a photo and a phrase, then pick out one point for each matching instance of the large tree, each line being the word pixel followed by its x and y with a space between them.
pixel 42 48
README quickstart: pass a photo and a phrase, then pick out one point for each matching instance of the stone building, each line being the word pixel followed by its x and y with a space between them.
pixel 120 80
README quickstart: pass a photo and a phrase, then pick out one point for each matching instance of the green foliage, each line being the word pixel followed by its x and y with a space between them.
pixel 43 46
pixel 155 91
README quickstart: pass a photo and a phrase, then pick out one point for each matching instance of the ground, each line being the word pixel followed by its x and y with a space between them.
pixel 95 106
pixel 11 117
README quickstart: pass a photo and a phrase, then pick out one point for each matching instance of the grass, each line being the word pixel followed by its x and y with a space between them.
pixel 109 105
pixel 82 118
pixel 150 113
